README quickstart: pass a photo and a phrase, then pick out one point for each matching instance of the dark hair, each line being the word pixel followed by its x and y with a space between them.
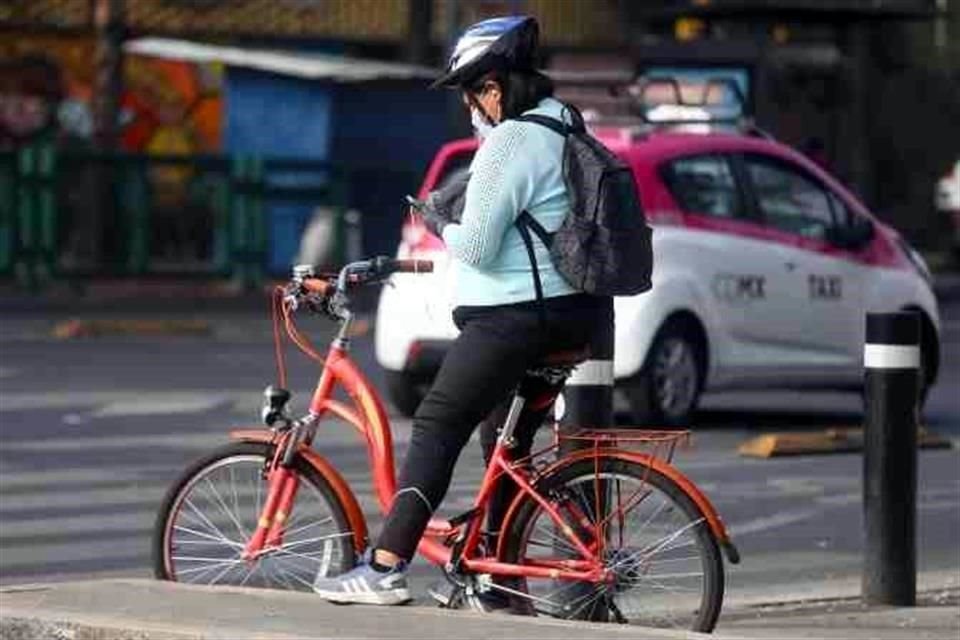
pixel 522 89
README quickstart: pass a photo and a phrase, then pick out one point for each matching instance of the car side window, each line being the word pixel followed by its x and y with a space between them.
pixel 704 184
pixel 842 215
pixel 789 200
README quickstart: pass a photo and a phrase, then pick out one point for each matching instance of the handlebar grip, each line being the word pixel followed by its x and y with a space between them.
pixel 412 266
pixel 317 286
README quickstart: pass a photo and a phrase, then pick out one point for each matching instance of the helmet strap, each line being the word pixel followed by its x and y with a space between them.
pixel 472 99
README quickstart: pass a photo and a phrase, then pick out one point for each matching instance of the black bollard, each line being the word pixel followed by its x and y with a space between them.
pixel 892 363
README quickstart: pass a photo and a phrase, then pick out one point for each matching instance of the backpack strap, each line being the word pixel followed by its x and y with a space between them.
pixel 553 124
pixel 577 124
pixel 525 222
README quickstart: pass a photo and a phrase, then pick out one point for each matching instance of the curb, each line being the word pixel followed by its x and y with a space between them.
pixel 838 440
pixel 32 627
pixel 76 328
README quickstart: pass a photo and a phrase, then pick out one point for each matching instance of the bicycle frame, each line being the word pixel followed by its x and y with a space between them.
pixel 370 420
pixel 368 417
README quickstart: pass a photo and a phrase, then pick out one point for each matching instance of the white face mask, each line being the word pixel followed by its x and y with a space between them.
pixel 480 125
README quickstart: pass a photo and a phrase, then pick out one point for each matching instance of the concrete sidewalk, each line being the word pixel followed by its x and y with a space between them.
pixel 148 610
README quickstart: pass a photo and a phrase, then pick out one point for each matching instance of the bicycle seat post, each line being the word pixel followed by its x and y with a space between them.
pixel 510 424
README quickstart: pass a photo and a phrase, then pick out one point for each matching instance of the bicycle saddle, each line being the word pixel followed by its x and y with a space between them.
pixel 568 358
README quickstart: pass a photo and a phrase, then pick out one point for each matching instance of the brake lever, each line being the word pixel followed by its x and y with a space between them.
pixel 291 296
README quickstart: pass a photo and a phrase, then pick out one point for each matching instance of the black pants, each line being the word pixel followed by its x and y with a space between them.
pixel 484 366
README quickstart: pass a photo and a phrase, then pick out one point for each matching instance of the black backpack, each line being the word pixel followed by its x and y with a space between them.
pixel 603 246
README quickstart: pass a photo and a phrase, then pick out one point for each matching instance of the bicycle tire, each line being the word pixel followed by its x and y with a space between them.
pixel 337 555
pixel 525 518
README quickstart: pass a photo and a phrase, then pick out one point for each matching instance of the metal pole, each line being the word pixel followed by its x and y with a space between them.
pixel 109 22
pixel 419 29
pixel 892 362
pixel 456 120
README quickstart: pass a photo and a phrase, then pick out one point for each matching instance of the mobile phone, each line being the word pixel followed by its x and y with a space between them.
pixel 413 202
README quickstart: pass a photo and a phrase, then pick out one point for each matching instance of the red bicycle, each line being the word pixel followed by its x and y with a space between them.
pixel 611 531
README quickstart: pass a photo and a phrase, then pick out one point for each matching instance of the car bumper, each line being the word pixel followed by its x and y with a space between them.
pixel 424 357
pixel 414 320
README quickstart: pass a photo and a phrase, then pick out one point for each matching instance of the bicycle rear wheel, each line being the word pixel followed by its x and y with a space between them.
pixel 665 559
pixel 210 512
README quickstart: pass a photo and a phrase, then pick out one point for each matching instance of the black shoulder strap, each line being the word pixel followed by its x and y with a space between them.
pixel 524 223
pixel 545 121
pixel 527 220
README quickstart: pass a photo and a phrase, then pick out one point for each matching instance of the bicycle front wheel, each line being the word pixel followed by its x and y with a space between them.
pixel 211 511
pixel 666 564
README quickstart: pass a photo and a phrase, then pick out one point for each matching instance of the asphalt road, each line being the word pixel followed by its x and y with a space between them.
pixel 93 430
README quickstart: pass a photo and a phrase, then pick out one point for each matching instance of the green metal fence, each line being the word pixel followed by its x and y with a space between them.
pixel 78 213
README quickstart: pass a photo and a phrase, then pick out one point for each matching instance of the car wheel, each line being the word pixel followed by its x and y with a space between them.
pixel 667 389
pixel 405 391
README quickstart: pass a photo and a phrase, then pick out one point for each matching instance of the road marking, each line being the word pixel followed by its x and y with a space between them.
pixel 75 525
pixel 97 498
pixel 113 443
pixel 775 521
pixel 25 556
pixel 73 399
pixel 58 478
pixel 152 407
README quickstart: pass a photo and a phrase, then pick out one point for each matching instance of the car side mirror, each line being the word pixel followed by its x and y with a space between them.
pixel 853 236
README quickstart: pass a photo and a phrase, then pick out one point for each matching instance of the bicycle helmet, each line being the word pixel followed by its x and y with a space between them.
pixel 509 42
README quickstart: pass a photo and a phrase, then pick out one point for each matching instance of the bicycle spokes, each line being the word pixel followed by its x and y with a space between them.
pixel 217 514
pixel 649 545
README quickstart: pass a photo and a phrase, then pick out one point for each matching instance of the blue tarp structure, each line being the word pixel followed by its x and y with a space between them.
pixel 374 118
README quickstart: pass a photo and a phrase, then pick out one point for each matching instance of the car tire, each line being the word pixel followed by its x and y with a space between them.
pixel 666 390
pixel 405 391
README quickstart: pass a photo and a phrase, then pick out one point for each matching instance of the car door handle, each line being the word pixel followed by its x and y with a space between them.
pixel 790 266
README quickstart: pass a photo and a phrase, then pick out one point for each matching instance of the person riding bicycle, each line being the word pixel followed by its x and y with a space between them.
pixel 504 330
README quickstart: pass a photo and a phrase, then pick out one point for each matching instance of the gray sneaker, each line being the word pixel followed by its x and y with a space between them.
pixel 364 585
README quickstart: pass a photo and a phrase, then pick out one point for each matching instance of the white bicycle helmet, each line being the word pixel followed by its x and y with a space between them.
pixel 508 42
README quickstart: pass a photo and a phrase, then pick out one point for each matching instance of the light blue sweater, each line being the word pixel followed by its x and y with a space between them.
pixel 517 167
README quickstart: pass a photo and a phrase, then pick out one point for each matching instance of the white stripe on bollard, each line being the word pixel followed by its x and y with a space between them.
pixel 891 356
pixel 592 373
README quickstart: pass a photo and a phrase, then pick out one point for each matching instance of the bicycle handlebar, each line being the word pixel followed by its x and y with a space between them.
pixel 316 286
pixel 412 266
pixel 329 292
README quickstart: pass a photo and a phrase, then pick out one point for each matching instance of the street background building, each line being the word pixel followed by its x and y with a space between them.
pixel 870 89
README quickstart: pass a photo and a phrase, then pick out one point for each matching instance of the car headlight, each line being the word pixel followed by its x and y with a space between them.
pixel 917 261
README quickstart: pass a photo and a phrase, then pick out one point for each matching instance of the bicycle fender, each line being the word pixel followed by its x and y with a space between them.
pixel 703 503
pixel 341 489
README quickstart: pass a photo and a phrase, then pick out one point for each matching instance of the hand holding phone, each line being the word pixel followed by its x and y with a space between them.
pixel 414 203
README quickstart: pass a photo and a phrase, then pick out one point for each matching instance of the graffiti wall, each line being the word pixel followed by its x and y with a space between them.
pixel 46 89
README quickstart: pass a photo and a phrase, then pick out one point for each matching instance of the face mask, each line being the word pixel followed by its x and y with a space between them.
pixel 481 126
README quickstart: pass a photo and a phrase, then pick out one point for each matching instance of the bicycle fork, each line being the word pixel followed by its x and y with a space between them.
pixel 282 485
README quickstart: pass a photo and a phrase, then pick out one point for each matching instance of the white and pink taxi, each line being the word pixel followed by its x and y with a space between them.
pixel 765 267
